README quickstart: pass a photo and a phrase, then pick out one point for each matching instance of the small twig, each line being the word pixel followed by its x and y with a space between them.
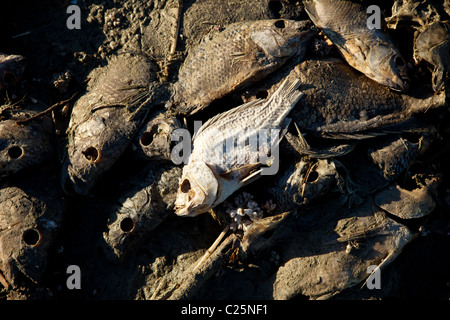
pixel 173 46
pixel 48 110
pixel 160 284
pixel 4 282
pixel 212 248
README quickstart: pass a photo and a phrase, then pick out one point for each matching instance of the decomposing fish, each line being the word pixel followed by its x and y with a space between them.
pixel 153 140
pixel 105 119
pixel 433 46
pixel 211 175
pixel 408 204
pixel 25 145
pixel 376 164
pixel 145 204
pixel 31 212
pixel 303 182
pixel 419 13
pixel 394 156
pixel 242 52
pixel 340 102
pixel 370 51
pixel 11 70
pixel 332 247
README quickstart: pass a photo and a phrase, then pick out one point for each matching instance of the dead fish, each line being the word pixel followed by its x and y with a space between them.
pixel 153 140
pixel 31 213
pixel 331 248
pixel 242 52
pixel 406 204
pixel 105 119
pixel 380 162
pixel 433 46
pixel 371 52
pixel 11 70
pixel 304 182
pixel 419 13
pixel 340 102
pixel 148 199
pixel 207 179
pixel 25 145
pixel 394 156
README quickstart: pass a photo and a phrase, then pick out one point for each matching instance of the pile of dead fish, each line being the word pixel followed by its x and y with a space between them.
pixel 344 125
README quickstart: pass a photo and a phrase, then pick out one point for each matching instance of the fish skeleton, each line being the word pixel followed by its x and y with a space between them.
pixel 242 52
pixel 105 119
pixel 207 179
pixel 370 51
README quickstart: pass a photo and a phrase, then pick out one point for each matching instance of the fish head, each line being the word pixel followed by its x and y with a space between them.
pixel 388 67
pixel 198 190
pixel 81 169
pixel 155 140
pixel 32 213
pixel 281 38
pixel 11 70
pixel 23 146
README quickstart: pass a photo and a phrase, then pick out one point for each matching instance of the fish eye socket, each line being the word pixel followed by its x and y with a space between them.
pixel 91 154
pixel 148 136
pixel 262 94
pixel 9 78
pixel 312 177
pixel 185 186
pixel 279 24
pixel 127 224
pixel 31 237
pixel 399 62
pixel 15 152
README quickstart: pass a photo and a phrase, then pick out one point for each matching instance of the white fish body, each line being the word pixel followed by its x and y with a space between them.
pixel 216 169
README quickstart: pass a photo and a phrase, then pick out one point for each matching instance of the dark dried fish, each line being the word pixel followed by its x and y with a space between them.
pixel 242 52
pixel 23 146
pixel 11 70
pixel 340 102
pixel 105 119
pixel 303 182
pixel 154 140
pixel 433 46
pixel 31 212
pixel 417 12
pixel 370 51
pixel 394 156
pixel 148 199
pixel 331 248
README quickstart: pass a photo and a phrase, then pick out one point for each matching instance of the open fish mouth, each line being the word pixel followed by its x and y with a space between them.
pixel 399 84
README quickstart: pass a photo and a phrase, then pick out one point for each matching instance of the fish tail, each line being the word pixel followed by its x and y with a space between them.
pixel 287 94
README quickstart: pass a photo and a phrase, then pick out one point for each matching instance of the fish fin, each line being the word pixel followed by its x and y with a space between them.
pixel 310 9
pixel 211 122
pixel 240 172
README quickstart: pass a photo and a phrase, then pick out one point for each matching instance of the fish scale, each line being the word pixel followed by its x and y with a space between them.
pixel 340 101
pixel 242 52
